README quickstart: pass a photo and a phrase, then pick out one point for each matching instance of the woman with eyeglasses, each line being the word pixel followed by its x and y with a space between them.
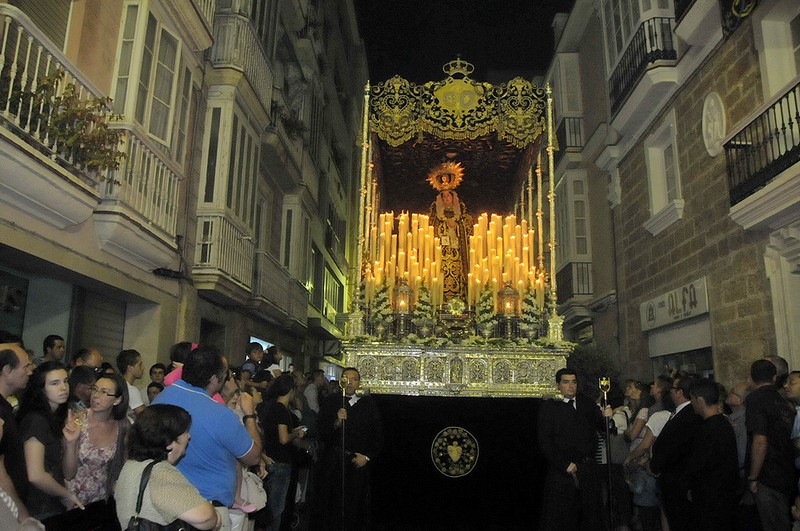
pixel 94 441
pixel 43 408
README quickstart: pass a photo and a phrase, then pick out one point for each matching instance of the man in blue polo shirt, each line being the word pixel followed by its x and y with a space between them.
pixel 218 438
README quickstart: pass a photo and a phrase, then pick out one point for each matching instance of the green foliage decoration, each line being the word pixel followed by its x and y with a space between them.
pixel 381 315
pixel 423 319
pixel 485 317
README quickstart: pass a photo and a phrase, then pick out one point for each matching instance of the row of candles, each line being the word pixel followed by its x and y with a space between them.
pixel 501 252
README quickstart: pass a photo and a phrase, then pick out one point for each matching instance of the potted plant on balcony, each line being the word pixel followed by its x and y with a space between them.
pixel 78 128
pixel 294 127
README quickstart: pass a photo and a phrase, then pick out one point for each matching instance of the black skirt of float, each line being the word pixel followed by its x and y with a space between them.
pixel 502 491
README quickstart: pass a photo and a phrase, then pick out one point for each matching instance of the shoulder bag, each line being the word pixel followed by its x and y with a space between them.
pixel 137 523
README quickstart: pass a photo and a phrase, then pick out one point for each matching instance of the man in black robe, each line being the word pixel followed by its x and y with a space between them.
pixel 568 438
pixel 350 429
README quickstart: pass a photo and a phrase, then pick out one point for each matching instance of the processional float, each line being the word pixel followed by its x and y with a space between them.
pixel 445 303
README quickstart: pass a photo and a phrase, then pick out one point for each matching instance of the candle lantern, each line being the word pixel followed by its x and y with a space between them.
pixel 508 297
pixel 402 296
pixel 508 302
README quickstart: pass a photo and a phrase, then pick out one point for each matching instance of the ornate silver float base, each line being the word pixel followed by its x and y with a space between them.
pixel 454 371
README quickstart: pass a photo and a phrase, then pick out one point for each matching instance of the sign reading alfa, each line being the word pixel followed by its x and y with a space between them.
pixel 684 302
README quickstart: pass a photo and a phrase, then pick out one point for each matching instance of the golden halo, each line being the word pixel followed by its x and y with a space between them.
pixel 446 176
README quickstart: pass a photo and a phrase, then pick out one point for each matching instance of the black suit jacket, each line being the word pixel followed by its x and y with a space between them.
pixel 672 450
pixel 566 434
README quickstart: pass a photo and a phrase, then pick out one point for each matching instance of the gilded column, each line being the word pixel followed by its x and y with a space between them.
pixel 555 322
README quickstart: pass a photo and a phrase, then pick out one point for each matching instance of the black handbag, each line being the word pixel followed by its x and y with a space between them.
pixel 137 523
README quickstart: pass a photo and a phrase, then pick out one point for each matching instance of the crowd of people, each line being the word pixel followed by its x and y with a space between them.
pixel 679 453
pixel 203 443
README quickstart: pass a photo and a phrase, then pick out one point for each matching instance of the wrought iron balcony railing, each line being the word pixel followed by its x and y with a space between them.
pixel 575 279
pixel 652 42
pixel 223 247
pixel 764 147
pixel 569 135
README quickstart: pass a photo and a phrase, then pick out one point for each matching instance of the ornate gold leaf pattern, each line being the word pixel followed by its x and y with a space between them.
pixel 457 108
pixel 502 371
pixel 455 370
pixel 410 369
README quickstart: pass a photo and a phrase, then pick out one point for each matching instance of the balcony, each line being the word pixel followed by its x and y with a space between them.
pixel 236 46
pixel 283 152
pixel 574 289
pixel 224 257
pixel 309 44
pixel 569 135
pixel 39 176
pixel 762 160
pixel 652 42
pixel 698 21
pixel 574 280
pixel 197 17
pixel 137 216
pixel 277 295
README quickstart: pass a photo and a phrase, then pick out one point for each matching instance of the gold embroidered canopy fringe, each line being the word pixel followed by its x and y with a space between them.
pixel 458 107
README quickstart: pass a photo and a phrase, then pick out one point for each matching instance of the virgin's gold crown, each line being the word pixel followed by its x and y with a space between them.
pixel 458 66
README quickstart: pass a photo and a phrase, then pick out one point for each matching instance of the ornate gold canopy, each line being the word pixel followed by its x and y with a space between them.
pixel 458 108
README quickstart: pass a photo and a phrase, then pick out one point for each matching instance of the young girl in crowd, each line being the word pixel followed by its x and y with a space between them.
pixel 43 410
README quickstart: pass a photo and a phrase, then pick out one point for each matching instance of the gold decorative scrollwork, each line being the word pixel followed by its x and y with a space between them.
pixel 395 110
pixel 502 372
pixel 457 107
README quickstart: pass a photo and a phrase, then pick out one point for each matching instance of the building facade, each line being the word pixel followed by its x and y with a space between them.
pixel 699 153
pixel 225 217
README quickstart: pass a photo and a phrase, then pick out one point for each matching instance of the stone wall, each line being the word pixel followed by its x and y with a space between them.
pixel 706 241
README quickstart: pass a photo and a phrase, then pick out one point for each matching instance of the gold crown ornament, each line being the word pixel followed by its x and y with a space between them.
pixel 446 176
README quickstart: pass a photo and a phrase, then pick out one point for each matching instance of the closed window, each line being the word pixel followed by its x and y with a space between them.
pixel 663 175
pixel 147 78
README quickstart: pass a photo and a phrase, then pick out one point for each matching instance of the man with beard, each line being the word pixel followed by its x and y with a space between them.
pixel 218 439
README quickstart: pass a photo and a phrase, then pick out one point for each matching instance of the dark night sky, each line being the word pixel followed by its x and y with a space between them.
pixel 414 38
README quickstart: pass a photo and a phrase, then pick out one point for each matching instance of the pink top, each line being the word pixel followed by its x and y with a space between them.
pixel 89 483
pixel 176 375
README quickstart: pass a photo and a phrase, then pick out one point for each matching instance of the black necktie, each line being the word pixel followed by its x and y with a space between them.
pixel 571 403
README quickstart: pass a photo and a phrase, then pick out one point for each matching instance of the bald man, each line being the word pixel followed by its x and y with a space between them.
pixel 15 369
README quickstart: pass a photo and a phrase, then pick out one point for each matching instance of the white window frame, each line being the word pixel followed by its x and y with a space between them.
pixel 773 39
pixel 134 72
pixel 567 86
pixel 566 226
pixel 241 174
pixel 664 210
